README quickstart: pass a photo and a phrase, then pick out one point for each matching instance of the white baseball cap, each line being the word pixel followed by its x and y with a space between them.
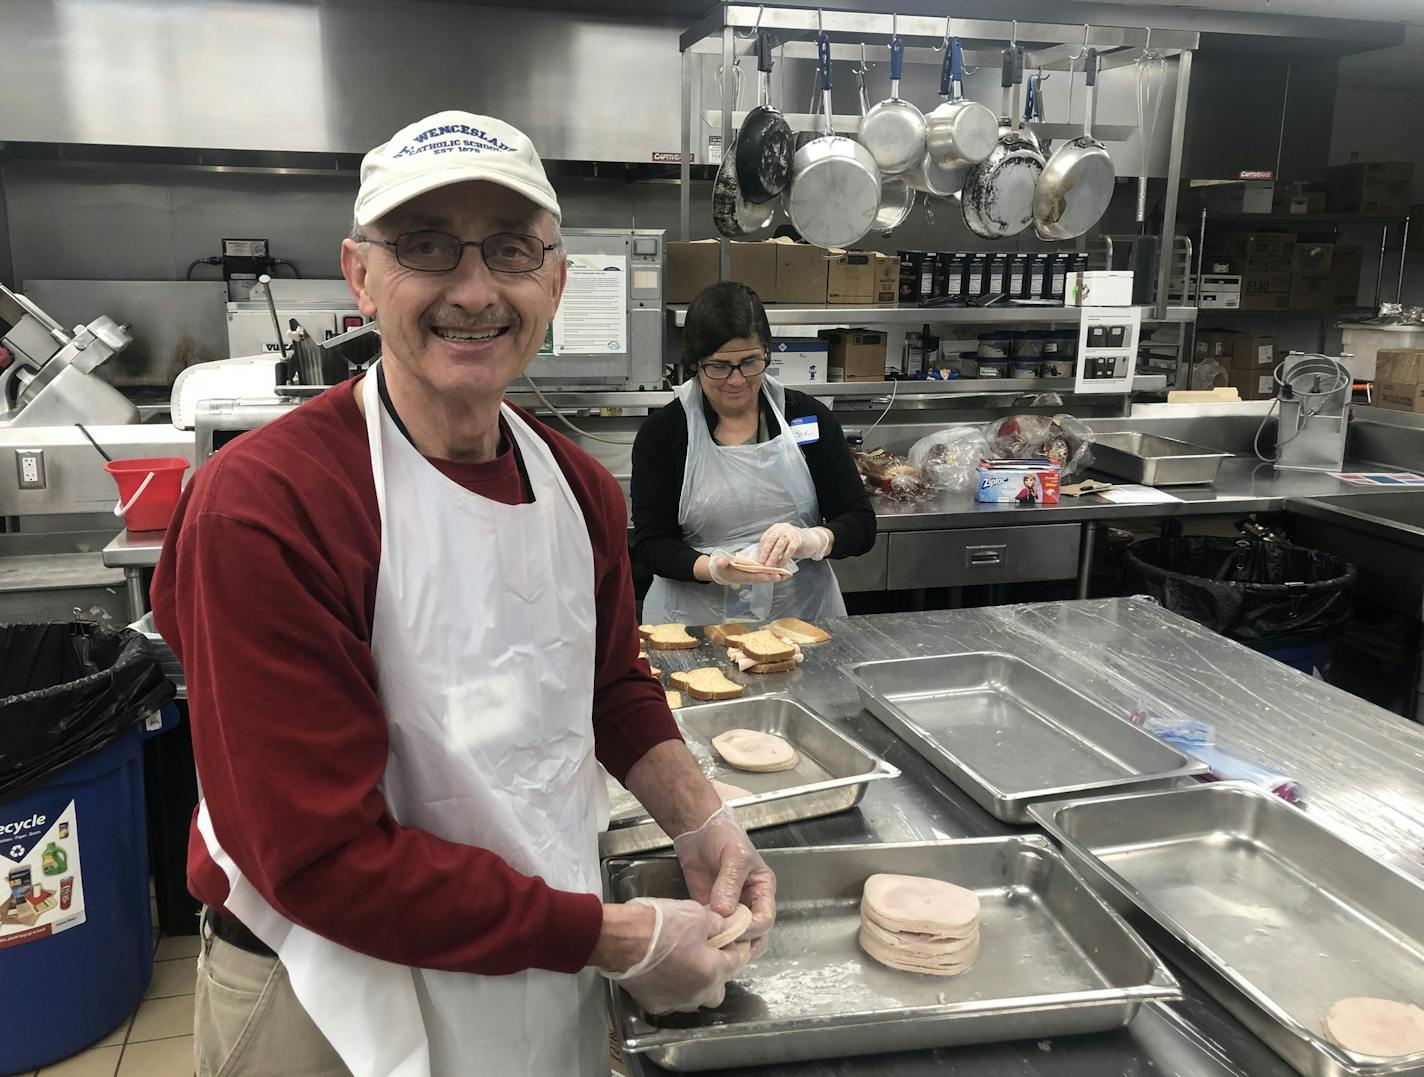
pixel 450 147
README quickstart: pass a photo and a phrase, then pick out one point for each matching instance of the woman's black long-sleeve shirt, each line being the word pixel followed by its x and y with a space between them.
pixel 660 456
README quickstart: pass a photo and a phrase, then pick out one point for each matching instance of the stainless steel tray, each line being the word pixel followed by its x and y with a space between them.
pixel 1008 734
pixel 1154 460
pixel 1273 914
pixel 1054 960
pixel 831 776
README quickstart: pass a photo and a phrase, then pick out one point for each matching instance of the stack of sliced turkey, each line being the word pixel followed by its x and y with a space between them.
pixel 919 925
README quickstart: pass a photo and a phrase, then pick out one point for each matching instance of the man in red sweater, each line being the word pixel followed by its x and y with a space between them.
pixel 405 613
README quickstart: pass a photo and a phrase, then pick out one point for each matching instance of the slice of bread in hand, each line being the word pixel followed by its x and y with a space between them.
pixel 723 634
pixel 795 630
pixel 708 682
pixel 671 637
pixel 674 699
pixel 751 564
pixel 764 646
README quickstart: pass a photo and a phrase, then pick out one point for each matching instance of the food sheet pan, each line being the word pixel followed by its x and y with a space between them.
pixel 1274 915
pixel 1153 460
pixel 831 776
pixel 1009 734
pixel 1054 960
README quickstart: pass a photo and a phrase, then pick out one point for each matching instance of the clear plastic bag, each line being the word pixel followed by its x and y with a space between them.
pixel 892 476
pixel 947 458
pixel 1064 440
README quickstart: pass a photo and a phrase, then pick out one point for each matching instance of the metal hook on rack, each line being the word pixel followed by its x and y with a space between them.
pixel 756 27
pixel 1082 49
pixel 820 21
pixel 1014 37
pixel 864 64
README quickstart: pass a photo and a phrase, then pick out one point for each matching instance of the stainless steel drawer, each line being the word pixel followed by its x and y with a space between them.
pixel 982 555
pixel 866 572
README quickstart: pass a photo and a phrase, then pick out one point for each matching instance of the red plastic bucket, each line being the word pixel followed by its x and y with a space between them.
pixel 145 503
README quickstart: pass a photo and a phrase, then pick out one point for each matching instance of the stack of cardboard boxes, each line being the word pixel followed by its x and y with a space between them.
pixel 781 271
pixel 1249 360
pixel 1373 188
pixel 1281 271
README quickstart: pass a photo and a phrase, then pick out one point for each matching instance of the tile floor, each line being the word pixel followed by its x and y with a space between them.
pixel 157 1039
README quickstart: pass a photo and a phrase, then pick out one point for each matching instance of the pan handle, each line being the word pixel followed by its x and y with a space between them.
pixel 1031 98
pixel 823 60
pixel 956 70
pixel 897 65
pixel 764 52
pixel 1018 64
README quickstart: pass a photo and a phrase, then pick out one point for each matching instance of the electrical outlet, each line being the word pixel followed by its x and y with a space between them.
pixel 30 465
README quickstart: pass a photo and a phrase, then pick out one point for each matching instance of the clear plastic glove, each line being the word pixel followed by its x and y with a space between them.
pixel 680 972
pixel 719 567
pixel 723 869
pixel 781 543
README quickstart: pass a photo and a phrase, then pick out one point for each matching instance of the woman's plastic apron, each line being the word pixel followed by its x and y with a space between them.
pixel 730 495
pixel 483 639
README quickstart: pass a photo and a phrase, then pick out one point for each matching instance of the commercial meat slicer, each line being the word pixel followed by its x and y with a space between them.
pixel 47 380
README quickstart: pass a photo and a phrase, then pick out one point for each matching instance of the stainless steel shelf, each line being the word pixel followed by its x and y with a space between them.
pixel 894 314
pixel 574 399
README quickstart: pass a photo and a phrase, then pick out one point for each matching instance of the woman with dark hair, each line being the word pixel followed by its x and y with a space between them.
pixel 740 465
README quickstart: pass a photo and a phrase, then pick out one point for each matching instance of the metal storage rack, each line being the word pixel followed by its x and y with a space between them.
pixel 729 32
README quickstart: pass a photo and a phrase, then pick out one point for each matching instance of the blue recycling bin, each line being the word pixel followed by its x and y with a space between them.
pixel 79 844
pixel 76 943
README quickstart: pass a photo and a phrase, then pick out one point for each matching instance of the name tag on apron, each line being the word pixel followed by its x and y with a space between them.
pixel 805 431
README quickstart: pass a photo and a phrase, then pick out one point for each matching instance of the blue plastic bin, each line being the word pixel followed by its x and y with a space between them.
pixel 70 989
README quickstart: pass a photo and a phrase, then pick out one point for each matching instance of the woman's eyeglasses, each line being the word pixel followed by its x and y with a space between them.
pixel 718 370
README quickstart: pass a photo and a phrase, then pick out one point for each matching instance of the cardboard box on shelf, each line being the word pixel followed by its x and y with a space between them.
pixel 801 271
pixel 796 362
pixel 1256 280
pixel 1256 384
pixel 1378 188
pixel 1236 350
pixel 1265 301
pixel 1312 257
pixel 1272 263
pixel 851 277
pixel 1295 204
pixel 1259 243
pixel 1399 379
pixel 887 278
pixel 691 266
pixel 1345 276
pixel 1247 196
pixel 854 354
pixel 1311 291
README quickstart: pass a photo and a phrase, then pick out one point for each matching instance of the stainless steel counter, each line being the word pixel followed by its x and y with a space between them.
pixel 1362 767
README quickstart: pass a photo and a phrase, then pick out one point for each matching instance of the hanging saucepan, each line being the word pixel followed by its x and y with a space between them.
pixel 929 176
pixel 997 198
pixel 732 214
pixel 764 142
pixel 959 131
pixel 1077 182
pixel 897 198
pixel 894 130
pixel 835 185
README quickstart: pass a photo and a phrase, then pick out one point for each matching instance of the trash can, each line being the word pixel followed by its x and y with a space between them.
pixel 74 903
pixel 1286 601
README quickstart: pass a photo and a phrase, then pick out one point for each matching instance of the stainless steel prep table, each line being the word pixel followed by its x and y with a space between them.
pixel 1363 769
pixel 913 549
pixel 136 553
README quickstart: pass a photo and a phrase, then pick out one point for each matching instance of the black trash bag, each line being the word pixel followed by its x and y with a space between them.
pixel 67 690
pixel 1261 593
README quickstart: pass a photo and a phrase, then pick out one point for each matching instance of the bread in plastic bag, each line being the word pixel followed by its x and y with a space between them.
pixel 1062 439
pixel 891 476
pixel 948 458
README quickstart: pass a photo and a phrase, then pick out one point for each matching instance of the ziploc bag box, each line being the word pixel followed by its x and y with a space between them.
pixel 1022 482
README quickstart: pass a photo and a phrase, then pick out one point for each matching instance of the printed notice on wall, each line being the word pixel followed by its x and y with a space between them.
pixel 593 317
pixel 41 886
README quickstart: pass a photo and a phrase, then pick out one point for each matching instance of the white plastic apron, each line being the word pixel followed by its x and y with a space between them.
pixel 483 639
pixel 730 495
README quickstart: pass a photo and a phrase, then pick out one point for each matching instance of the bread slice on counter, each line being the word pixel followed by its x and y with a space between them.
pixel 723 634
pixel 707 682
pixel 671 637
pixel 764 646
pixel 774 667
pixel 674 699
pixel 795 630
